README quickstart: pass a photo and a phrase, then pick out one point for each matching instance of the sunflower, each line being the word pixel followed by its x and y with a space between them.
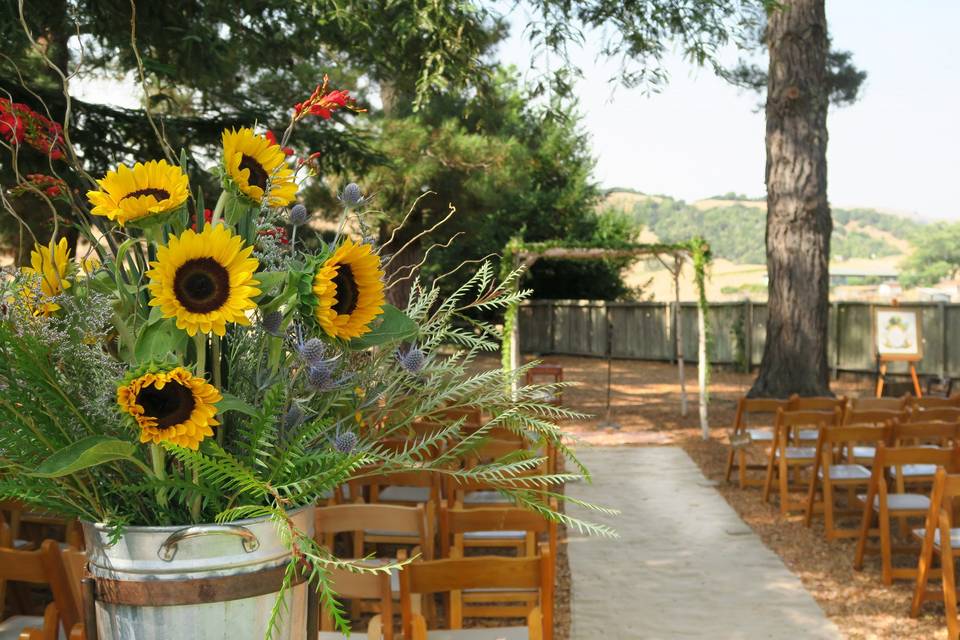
pixel 349 290
pixel 145 190
pixel 50 265
pixel 204 280
pixel 171 406
pixel 251 161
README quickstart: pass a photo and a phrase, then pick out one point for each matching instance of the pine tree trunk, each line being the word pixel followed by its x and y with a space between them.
pixel 798 214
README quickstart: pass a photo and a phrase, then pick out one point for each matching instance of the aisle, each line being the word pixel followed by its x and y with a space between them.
pixel 685 565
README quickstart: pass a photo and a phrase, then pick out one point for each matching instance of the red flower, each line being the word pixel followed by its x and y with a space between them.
pixel 278 233
pixel 273 140
pixel 207 218
pixel 323 103
pixel 11 127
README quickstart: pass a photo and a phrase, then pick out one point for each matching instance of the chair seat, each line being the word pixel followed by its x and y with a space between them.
pixel 801 453
pixel 864 451
pixel 486 497
pixel 954 537
pixel 405 494
pixel 760 435
pixel 847 472
pixel 900 502
pixel 11 628
pixel 494 535
pixel 918 470
pixel 492 633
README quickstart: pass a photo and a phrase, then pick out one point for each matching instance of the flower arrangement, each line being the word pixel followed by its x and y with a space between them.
pixel 199 366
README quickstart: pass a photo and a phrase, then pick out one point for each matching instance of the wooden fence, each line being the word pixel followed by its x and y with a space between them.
pixel 736 330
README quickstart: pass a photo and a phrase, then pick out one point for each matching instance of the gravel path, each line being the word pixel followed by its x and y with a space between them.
pixel 685 565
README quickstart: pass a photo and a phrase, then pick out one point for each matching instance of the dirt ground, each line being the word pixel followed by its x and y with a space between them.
pixel 645 404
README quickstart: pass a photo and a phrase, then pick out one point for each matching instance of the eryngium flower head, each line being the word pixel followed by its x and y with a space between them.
pixel 345 442
pixel 312 351
pixel 293 417
pixel 299 215
pixel 320 376
pixel 412 360
pixel 351 196
pixel 271 323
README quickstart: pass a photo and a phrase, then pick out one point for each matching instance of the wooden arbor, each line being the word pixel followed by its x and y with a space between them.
pixel 518 254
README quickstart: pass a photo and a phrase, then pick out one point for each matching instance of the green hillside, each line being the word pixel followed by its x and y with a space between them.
pixel 736 231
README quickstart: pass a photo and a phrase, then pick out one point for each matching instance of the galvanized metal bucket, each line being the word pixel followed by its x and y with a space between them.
pixel 204 581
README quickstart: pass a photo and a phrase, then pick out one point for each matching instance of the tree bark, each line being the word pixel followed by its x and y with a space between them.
pixel 798 214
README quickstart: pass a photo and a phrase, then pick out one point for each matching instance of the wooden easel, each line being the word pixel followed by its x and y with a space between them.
pixel 888 358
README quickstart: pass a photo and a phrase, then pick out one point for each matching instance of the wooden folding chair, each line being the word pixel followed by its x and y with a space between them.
pixel 786 456
pixel 880 504
pixel 864 453
pixel 743 437
pixel 828 473
pixel 555 374
pixel 374 523
pixel 933 402
pixel 816 403
pixel 455 575
pixel 921 434
pixel 939 539
pixel 935 414
pixel 487 527
pixel 42 566
pixel 870 403
pixel 496 527
pixel 361 586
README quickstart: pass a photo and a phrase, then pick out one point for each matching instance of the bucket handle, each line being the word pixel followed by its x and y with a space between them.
pixel 168 550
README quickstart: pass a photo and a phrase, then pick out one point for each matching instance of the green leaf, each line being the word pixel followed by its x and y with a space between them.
pixel 395 326
pixel 270 280
pixel 231 402
pixel 84 454
pixel 156 315
pixel 157 341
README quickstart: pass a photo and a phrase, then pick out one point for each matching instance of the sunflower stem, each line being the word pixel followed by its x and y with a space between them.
pixel 200 341
pixel 157 457
pixel 215 365
pixel 218 210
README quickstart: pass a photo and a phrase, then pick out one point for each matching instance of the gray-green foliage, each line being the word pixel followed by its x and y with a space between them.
pixel 736 231
pixel 936 255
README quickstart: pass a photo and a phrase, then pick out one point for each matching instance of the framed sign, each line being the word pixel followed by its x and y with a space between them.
pixel 897 333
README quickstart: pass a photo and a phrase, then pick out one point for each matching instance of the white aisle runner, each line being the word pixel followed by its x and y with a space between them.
pixel 685 565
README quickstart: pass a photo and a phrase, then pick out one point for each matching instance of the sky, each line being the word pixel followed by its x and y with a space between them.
pixel 894 150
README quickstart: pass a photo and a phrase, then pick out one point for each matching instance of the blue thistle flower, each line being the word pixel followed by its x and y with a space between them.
pixel 299 215
pixel 351 196
pixel 345 442
pixel 293 417
pixel 320 376
pixel 312 351
pixel 412 360
pixel 271 323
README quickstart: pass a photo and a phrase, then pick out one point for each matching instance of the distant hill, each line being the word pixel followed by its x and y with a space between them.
pixel 734 225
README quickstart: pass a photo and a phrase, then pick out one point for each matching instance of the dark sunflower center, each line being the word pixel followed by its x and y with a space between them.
pixel 159 194
pixel 201 285
pixel 170 406
pixel 347 291
pixel 258 175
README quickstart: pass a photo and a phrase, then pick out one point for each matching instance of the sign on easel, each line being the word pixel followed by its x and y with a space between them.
pixel 897 339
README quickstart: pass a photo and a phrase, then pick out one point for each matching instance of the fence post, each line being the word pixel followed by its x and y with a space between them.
pixel 943 340
pixel 836 339
pixel 748 332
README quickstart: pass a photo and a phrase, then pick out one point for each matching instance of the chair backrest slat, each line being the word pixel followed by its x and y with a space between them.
pixel 358 517
pixel 940 414
pixel 474 573
pixel 815 403
pixel 872 416
pixel 878 404
pixel 890 456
